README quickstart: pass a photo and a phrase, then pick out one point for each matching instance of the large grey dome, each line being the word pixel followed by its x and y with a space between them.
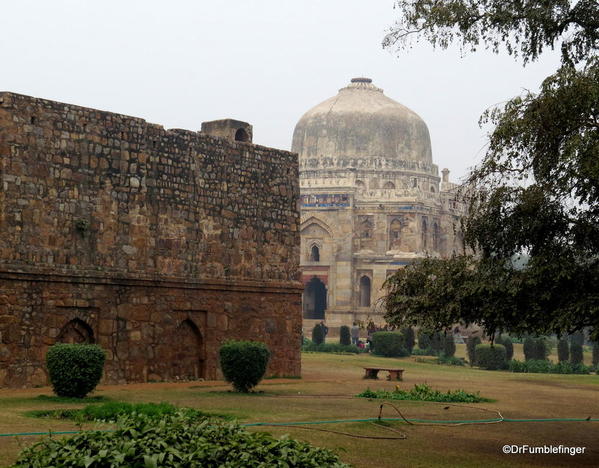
pixel 361 122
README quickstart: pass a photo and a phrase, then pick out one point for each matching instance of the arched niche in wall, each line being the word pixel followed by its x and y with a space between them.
pixel 241 135
pixel 315 253
pixel 314 234
pixel 360 184
pixel 365 289
pixel 424 228
pixel 76 331
pixel 314 300
pixel 389 185
pixel 395 234
pixel 188 352
pixel 436 237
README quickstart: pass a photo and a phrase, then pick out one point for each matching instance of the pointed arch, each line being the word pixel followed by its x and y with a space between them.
pixel 389 185
pixel 76 331
pixel 315 253
pixel 318 222
pixel 365 289
pixel 188 352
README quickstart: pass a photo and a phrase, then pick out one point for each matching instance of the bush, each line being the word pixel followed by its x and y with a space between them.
pixel 576 354
pixel 596 354
pixel 536 348
pixel 244 363
pixel 423 392
pixel 424 339
pixel 423 352
pixel 529 348
pixel 563 350
pixel 448 346
pixel 389 344
pixel 577 338
pixel 409 339
pixel 344 335
pixel 437 343
pixel 173 441
pixel 506 341
pixel 318 334
pixel 75 369
pixel 490 357
pixel 543 366
pixel 451 360
pixel 332 348
pixel 471 344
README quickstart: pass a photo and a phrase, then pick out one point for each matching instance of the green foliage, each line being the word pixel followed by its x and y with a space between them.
pixel 409 338
pixel 448 346
pixel 536 348
pixel 244 363
pixel 174 440
pixel 576 353
pixel 536 190
pixel 471 342
pixel 424 339
pixel 577 338
pixel 490 357
pixel 437 342
pixel 75 369
pixel 451 360
pixel 423 392
pixel 543 366
pixel 332 348
pixel 318 334
pixel 423 352
pixel 506 341
pixel 525 29
pixel 563 350
pixel 344 335
pixel 389 344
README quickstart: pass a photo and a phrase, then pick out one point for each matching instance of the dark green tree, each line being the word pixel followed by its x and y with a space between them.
pixel 471 344
pixel 536 193
pixel 409 338
pixel 576 350
pixel 563 350
pixel 448 345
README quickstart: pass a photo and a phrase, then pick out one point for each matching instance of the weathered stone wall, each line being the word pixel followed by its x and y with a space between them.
pixel 130 235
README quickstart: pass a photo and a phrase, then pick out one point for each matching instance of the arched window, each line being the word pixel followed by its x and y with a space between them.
pixel 436 237
pixel 389 185
pixel 424 234
pixel 364 291
pixel 395 234
pixel 414 183
pixel 76 331
pixel 241 135
pixel 432 189
pixel 366 229
pixel 315 254
pixel 360 184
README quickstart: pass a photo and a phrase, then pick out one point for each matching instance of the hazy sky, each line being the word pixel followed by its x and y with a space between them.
pixel 179 63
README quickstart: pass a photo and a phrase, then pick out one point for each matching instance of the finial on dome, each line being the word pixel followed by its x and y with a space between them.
pixel 361 80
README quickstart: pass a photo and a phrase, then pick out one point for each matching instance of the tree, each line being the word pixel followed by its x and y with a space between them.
pixel 536 192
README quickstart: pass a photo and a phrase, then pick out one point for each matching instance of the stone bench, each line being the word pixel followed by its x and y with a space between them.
pixel 394 374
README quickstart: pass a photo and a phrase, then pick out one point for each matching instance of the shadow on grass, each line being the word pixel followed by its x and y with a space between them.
pixel 58 399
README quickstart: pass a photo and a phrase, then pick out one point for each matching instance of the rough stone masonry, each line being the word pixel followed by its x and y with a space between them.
pixel 156 244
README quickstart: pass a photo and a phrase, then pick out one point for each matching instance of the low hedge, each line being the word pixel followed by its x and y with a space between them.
pixel 75 369
pixel 389 344
pixel 332 348
pixel 490 357
pixel 543 366
pixel 244 363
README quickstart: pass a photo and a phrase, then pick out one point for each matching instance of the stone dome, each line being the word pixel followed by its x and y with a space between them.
pixel 361 122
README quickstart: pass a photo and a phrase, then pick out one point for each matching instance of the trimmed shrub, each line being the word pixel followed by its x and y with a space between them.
pixel 596 355
pixel 563 350
pixel 424 339
pixel 437 343
pixel 577 338
pixel 576 351
pixel 471 344
pixel 543 366
pixel 244 363
pixel 423 352
pixel 344 336
pixel 536 348
pixel 75 369
pixel 490 357
pixel 448 346
pixel 174 440
pixel 409 338
pixel 389 344
pixel 506 341
pixel 529 348
pixel 332 348
pixel 318 334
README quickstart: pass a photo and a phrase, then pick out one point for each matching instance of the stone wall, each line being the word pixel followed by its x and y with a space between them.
pixel 157 244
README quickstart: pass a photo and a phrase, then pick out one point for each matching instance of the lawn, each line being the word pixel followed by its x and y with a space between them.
pixel 326 392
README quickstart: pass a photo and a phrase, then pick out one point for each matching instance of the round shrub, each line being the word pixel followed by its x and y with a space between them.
pixel 244 363
pixel 471 344
pixel 409 338
pixel 509 346
pixel 75 369
pixel 563 350
pixel 344 335
pixel 424 339
pixel 490 357
pixel 318 334
pixel 174 440
pixel 448 346
pixel 389 344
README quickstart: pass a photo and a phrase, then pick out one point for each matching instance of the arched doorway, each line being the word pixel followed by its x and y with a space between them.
pixel 76 331
pixel 315 299
pixel 364 291
pixel 188 352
